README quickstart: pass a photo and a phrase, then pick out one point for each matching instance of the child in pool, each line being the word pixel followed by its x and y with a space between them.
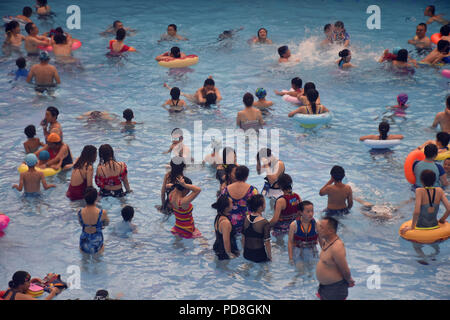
pixel 338 193
pixel 33 143
pixel 262 104
pixel 44 156
pixel 442 140
pixel 125 226
pixel 303 98
pixel 399 109
pixel 383 129
pixel 175 103
pixel 389 56
pixel 31 180
pixel 174 53
pixel 328 31
pixel 95 115
pixel 42 8
pixel 26 14
pixel 128 115
pixel 285 55
pixel 340 34
pixel 439 53
pixel 430 12
pixel 402 61
pixel 344 62
pixel 171 34
pixel 117 46
pixel 116 26
pixel 296 88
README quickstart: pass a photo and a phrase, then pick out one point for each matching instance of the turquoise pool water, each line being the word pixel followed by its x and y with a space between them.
pixel 44 232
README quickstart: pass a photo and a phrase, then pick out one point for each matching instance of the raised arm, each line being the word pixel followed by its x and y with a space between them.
pixel 323 191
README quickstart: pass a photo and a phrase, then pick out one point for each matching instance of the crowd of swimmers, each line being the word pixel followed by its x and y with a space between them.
pixel 239 205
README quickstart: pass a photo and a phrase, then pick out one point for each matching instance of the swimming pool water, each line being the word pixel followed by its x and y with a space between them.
pixel 43 235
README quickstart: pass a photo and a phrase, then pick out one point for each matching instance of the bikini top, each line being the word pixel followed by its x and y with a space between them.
pixel 103 181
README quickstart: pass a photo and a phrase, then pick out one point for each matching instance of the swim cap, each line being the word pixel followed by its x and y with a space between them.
pixel 402 98
pixel 396 50
pixel 44 56
pixel 53 137
pixel 44 155
pixel 31 159
pixel 260 93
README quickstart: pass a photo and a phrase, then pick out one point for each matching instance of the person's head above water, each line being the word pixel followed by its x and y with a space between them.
pixel 30 28
pixel 262 34
pixel 443 139
pixel 210 99
pixel 429 11
pixel 430 151
pixel 12 27
pixel 345 55
pixel 248 99
pixel 27 12
pixel 128 114
pixel 30 131
pixel 445 30
pixel 421 30
pixel 402 98
pixel 338 173
pixel 31 160
pixel 328 28
pixel 339 26
pixel 175 52
pixel 19 279
pixel 172 30
pixel 90 196
pixel 21 63
pixel 127 213
pixel 44 57
pixel 308 86
pixel 87 157
pixel 443 46
pixel 428 178
pixel 284 51
pixel 285 182
pixel 296 83
pixel 117 25
pixel 209 84
pixel 60 38
pixel 106 153
pixel 222 205
pixel 383 128
pixel 312 96
pixel 175 93
pixel 120 34
pixel 260 93
pixel 256 203
pixel 402 55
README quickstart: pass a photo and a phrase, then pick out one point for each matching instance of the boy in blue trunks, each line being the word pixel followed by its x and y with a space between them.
pixel 338 193
pixel 22 71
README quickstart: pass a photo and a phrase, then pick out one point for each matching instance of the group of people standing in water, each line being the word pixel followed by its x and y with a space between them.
pixel 239 205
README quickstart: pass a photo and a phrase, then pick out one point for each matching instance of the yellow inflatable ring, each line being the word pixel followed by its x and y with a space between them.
pixel 426 236
pixel 442 156
pixel 47 171
pixel 187 61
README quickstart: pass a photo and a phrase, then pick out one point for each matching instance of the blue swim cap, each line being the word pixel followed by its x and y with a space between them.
pixel 44 155
pixel 31 160
pixel 260 93
pixel 396 50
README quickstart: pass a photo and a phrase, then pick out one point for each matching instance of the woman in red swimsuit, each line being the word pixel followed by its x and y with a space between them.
pixel 82 174
pixel 111 174
pixel 117 46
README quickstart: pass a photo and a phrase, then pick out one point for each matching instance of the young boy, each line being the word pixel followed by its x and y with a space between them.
pixel 128 115
pixel 44 156
pixel 439 53
pixel 340 34
pixel 32 179
pixel 21 64
pixel 284 53
pixel 32 144
pixel 296 85
pixel 125 226
pixel 302 233
pixel 441 142
pixel 262 104
pixel 338 193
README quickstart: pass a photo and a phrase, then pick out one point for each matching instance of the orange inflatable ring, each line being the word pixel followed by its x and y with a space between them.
pixel 426 236
pixel 76 44
pixel 436 37
pixel 415 155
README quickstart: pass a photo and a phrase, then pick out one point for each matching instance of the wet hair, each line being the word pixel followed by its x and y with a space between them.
pixel 248 99
pixel 260 30
pixel 226 151
pixel 339 24
pixel 228 171
pixel 402 55
pixel 445 30
pixel 18 279
pixel 53 111
pixel 42 3
pixel 59 30
pixel 210 99
pixel 10 26
pixel 127 213
pixel 285 182
pixel 59 38
pixel 263 153
pixel 242 173
pixel 106 153
pixel 423 25
pixel 443 138
pixel 21 63
pixel 301 206
pixel 128 114
pixel 443 46
pixel 29 27
pixel 120 34
pixel 209 82
pixel 312 96
pixel 90 195
pixel 344 54
pixel 282 50
pixel 30 131
pixel 175 51
pixel 447 101
pixel 221 204
pixel 432 9
pixel 338 173
pixel 180 187
pixel 177 167
pixel 175 93
pixel 430 151
pixel 27 12
pixel 383 128
pixel 297 82
pixel 428 178
pixel 102 295
pixel 255 202
pixel 332 222
pixel 309 86
pixel 87 157
pixel 327 27
pixel 173 26
pixel 115 23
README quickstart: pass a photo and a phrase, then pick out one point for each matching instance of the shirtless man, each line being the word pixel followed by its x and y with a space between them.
pixel 62 47
pixel 33 40
pixel 46 76
pixel 50 123
pixel 421 40
pixel 116 26
pixel 332 270
pixel 171 34
pixel 32 179
pixel 209 86
pixel 443 118
pixel 439 53
pixel 26 14
pixel 338 194
pixel 430 12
